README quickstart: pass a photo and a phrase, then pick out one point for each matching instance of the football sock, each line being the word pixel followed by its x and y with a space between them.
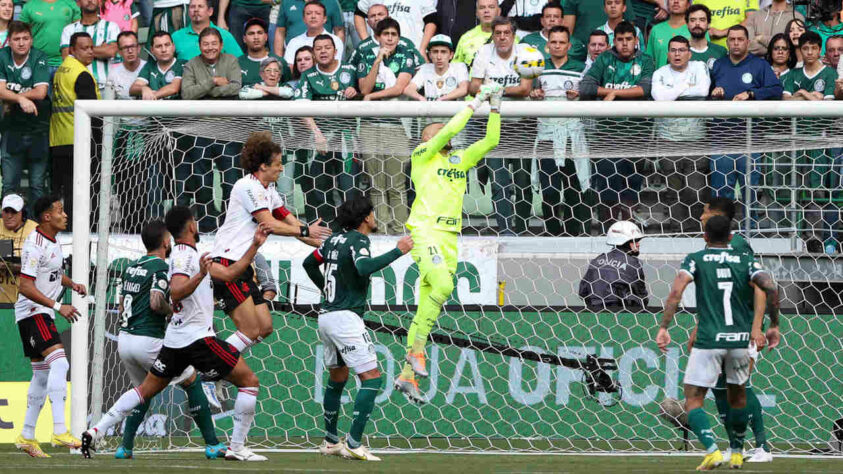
pixel 132 423
pixel 57 387
pixel 121 409
pixel 331 404
pixel 200 411
pixel 363 406
pixel 700 426
pixel 756 419
pixel 35 398
pixel 240 341
pixel 722 404
pixel 738 418
pixel 244 413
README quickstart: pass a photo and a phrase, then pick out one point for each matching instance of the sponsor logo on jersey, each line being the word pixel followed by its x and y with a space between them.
pixel 507 81
pixel 451 174
pixel 732 336
pixel 448 221
pixel 722 257
pixel 726 11
pixel 159 366
pixel 137 271
pixel 212 374
pixel 398 8
pixel 347 349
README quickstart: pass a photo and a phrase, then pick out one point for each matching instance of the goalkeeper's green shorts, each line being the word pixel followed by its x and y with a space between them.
pixel 434 250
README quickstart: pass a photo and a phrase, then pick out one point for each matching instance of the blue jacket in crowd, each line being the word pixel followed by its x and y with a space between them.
pixel 751 74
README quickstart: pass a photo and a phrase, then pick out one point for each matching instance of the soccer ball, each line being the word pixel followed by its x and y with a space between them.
pixel 529 62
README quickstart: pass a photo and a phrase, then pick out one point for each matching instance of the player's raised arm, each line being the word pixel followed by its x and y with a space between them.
pixel 230 273
pixel 474 153
pixel 183 285
pixel 367 265
pixel 683 278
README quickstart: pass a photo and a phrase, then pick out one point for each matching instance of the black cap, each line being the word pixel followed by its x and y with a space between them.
pixel 255 21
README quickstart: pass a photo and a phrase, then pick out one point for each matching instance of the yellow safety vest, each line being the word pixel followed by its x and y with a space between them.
pixel 64 95
pixel 8 281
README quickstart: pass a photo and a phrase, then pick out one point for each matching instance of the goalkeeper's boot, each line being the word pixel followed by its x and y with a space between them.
pixel 88 443
pixel 123 453
pixel 30 447
pixel 65 439
pixel 760 455
pixel 362 453
pixel 711 461
pixel 334 449
pixel 736 461
pixel 418 363
pixel 410 389
pixel 243 454
pixel 215 451
pixel 210 390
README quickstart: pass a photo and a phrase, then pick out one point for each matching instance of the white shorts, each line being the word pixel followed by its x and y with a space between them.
pixel 706 365
pixel 346 341
pixel 138 353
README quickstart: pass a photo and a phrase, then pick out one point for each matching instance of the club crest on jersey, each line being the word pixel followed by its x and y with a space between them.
pixel 451 82
pixel 746 78
pixel 454 159
pixel 819 86
pixel 345 77
pixel 25 73
pixel 169 76
pixel 636 69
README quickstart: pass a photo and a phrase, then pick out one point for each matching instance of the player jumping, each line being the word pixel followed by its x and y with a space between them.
pixel 727 330
pixel 190 340
pixel 349 266
pixel 439 175
pixel 41 282
pixel 144 309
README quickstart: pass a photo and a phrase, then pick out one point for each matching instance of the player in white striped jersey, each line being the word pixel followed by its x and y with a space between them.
pixel 41 282
pixel 190 338
pixel 254 200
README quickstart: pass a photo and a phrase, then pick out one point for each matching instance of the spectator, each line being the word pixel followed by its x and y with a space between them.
pixel 26 122
pixel 73 80
pixel 16 227
pixel 661 34
pixel 598 43
pixel 698 18
pixel 7 11
pixel 472 40
pixel 378 12
pixel 165 15
pixel 160 79
pixel 48 19
pixel 417 19
pixel 768 22
pixel 187 39
pixel 455 18
pixel 270 85
pixel 725 14
pixel 383 74
pixel 615 280
pixel 440 79
pixel 123 75
pixel 211 75
pixel 304 61
pixel 623 72
pixel 830 24
pixel 683 79
pixel 551 16
pixel 495 62
pixel 104 34
pixel 238 13
pixel 833 51
pixel 314 14
pixel 646 13
pixel 330 79
pixel 257 51
pixel 584 16
pixel 124 13
pixel 794 29
pixel 290 22
pixel 526 14
pixel 781 55
pixel 615 10
pixel 568 171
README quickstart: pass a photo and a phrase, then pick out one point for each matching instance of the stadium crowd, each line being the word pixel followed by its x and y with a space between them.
pixel 56 51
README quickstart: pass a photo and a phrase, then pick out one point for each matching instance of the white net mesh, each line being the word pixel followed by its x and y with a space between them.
pixel 517 296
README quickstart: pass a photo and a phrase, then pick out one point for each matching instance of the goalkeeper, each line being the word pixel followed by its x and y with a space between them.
pixel 439 175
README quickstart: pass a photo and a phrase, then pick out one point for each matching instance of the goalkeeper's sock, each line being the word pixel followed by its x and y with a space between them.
pixel 700 426
pixel 723 412
pixel 244 413
pixel 240 341
pixel 331 404
pixel 132 423
pixel 363 406
pixel 756 419
pixel 200 410
pixel 738 418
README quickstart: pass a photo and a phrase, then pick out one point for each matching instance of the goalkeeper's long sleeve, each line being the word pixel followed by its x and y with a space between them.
pixel 427 150
pixel 368 265
pixel 474 153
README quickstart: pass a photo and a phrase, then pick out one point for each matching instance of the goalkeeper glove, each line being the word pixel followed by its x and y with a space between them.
pixel 486 90
pixel 495 99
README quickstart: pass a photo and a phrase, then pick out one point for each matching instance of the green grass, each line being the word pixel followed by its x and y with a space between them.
pixel 12 461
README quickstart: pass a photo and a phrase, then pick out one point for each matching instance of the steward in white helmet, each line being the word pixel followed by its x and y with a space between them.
pixel 614 280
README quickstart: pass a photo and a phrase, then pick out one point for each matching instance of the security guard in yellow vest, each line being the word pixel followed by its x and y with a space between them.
pixel 72 81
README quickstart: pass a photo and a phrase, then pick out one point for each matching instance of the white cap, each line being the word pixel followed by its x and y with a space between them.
pixel 622 232
pixel 14 201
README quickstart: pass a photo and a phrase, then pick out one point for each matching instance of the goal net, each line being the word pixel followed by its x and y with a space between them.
pixel 517 362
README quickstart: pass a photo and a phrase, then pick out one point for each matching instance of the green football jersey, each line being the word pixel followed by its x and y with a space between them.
pixel 660 36
pixel 724 296
pixel 155 78
pixel 34 71
pixel 147 274
pixel 365 48
pixel 250 70
pixel 613 73
pixel 318 85
pixel 822 81
pixel 402 60
pixel 711 54
pixel 740 244
pixel 345 288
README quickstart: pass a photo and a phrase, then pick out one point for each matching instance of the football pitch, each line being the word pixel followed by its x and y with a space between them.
pixel 397 462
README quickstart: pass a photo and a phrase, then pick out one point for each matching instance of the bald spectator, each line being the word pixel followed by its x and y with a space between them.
pixel 417 19
pixel 376 14
pixel 473 39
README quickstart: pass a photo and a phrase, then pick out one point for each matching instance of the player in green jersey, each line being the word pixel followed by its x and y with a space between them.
pixel 349 266
pixel 730 318
pixel 144 311
pixel 439 175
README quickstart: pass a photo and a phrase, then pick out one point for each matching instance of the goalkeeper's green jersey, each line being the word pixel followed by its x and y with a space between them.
pixel 440 178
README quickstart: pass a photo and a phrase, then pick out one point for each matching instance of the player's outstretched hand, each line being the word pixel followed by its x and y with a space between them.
pixel 496 97
pixel 319 231
pixel 205 262
pixel 79 288
pixel 663 339
pixel 774 337
pixel 260 234
pixel 405 244
pixel 69 313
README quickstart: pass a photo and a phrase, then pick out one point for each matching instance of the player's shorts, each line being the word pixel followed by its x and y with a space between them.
pixel 434 250
pixel 231 294
pixel 705 366
pixel 211 356
pixel 38 333
pixel 721 380
pixel 138 353
pixel 346 341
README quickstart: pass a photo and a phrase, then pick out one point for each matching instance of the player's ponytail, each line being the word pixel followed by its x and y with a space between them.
pixel 258 149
